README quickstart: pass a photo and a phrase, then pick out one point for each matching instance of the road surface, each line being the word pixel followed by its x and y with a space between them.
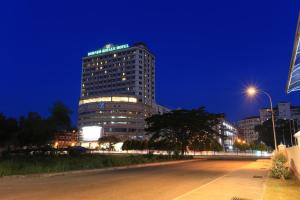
pixel 159 182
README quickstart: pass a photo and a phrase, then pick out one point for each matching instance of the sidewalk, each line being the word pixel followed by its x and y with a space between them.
pixel 246 183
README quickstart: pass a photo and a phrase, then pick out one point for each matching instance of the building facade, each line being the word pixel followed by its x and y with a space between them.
pixel 293 82
pixel 119 69
pixel 228 134
pixel 118 90
pixel 247 128
pixel 284 110
pixel 66 139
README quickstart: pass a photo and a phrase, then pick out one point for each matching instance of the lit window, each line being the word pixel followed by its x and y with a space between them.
pixel 115 55
pixel 118 99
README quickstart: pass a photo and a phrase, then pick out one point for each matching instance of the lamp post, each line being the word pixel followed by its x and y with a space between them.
pixel 252 91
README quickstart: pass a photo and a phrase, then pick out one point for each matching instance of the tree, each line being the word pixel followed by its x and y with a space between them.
pixel 181 127
pixel 110 140
pixel 127 145
pixel 135 145
pixel 283 131
pixel 215 145
pixel 34 130
pixel 259 146
pixel 60 117
pixel 8 130
pixel 163 145
pixel 241 146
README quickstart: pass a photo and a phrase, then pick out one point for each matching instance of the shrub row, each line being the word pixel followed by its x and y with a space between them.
pixel 46 164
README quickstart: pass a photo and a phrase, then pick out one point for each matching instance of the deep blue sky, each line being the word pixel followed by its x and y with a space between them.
pixel 206 51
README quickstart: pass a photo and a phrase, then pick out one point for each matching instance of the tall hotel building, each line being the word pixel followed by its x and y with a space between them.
pixel 118 90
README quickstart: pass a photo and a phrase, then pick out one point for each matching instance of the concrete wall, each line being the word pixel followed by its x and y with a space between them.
pixel 294 159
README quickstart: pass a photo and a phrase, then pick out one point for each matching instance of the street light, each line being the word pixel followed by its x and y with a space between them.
pixel 252 91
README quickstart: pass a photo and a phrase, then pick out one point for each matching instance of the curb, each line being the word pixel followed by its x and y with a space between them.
pixel 87 171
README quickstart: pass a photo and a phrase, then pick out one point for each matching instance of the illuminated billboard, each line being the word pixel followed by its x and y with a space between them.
pixel 91 133
pixel 108 48
pixel 293 83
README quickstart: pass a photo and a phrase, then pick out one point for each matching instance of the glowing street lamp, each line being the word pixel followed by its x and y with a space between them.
pixel 252 91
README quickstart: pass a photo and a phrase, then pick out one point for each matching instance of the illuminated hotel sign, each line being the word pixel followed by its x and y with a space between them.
pixel 108 48
pixel 293 83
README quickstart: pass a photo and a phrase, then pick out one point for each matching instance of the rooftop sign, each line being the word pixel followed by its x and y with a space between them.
pixel 108 48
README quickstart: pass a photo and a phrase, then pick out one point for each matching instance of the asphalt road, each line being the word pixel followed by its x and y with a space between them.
pixel 159 182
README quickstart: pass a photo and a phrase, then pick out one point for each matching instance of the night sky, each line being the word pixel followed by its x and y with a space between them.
pixel 206 51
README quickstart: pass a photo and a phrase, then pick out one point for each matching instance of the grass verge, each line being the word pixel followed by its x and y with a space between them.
pixel 277 189
pixel 48 164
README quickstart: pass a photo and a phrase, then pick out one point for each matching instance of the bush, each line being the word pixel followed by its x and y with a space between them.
pixel 77 151
pixel 60 163
pixel 279 168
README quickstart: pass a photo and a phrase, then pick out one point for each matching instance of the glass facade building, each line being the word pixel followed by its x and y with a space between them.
pixel 293 83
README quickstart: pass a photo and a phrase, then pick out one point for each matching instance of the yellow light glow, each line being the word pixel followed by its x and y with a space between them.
pixel 120 99
pixel 251 91
pixel 132 99
pixel 108 99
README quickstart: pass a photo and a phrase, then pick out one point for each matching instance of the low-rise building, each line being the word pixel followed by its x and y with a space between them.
pixel 66 139
pixel 121 116
pixel 228 134
pixel 284 110
pixel 247 126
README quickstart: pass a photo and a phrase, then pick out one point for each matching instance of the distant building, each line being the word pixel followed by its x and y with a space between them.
pixel 293 83
pixel 118 90
pixel 247 128
pixel 284 111
pixel 230 133
pixel 66 139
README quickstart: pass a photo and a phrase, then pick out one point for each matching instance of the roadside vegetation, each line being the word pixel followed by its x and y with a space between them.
pixel 284 130
pixel 33 130
pixel 182 130
pixel 280 168
pixel 254 146
pixel 281 183
pixel 23 165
